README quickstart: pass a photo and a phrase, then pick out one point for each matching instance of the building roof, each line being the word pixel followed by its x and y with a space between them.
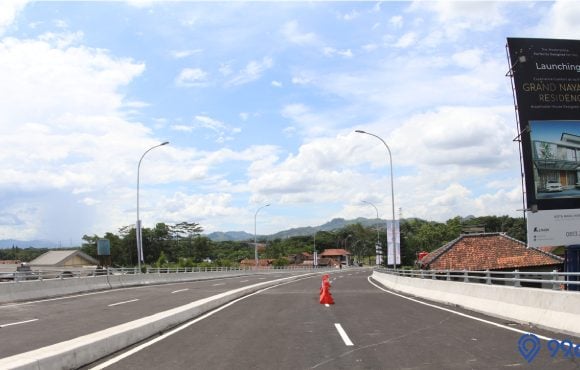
pixel 334 252
pixel 9 262
pixel 58 258
pixel 557 250
pixel 487 251
pixel 326 262
pixel 252 262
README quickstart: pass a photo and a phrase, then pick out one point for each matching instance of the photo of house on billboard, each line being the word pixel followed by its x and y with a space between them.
pixel 555 148
pixel 546 82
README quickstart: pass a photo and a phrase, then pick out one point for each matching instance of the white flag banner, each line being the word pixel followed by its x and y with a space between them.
pixel 397 243
pixel 378 254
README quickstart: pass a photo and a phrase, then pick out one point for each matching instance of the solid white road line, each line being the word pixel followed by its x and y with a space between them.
pixel 180 290
pixel 118 303
pixel 459 313
pixel 144 345
pixel 219 284
pixel 343 335
pixel 244 281
pixel 17 323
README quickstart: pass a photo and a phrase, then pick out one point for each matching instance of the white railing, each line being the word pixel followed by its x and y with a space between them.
pixel 535 279
pixel 19 276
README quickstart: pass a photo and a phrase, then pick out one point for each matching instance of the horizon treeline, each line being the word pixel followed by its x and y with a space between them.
pixel 183 245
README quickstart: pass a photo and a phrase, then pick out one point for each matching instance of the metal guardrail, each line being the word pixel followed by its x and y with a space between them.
pixel 533 279
pixel 153 270
pixel 20 276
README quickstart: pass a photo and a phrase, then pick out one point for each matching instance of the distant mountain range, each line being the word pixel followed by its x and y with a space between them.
pixel 219 236
pixel 9 243
pixel 336 223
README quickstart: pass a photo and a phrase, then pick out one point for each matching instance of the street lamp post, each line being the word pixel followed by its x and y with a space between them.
pixel 138 224
pixel 392 197
pixel 376 209
pixel 345 246
pixel 255 235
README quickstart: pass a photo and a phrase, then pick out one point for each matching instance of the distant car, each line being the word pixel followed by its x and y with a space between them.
pixel 553 185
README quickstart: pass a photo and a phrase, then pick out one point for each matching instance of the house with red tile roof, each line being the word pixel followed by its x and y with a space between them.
pixel 557 250
pixel 262 262
pixel 303 258
pixel 490 251
pixel 338 256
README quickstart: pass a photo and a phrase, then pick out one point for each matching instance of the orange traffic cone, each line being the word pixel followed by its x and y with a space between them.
pixel 324 278
pixel 325 296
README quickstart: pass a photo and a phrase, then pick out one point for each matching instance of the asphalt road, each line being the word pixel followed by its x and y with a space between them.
pixel 285 327
pixel 32 325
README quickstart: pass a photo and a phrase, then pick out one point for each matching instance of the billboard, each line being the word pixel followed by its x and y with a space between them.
pixel 553 228
pixel 546 77
pixel 103 247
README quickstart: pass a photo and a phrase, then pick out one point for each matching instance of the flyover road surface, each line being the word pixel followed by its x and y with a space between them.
pixel 32 325
pixel 368 327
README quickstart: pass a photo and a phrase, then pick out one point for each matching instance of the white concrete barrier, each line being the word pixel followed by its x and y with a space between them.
pixel 84 350
pixel 47 288
pixel 549 309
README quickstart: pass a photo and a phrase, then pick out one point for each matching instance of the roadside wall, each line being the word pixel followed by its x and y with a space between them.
pixel 40 289
pixel 549 309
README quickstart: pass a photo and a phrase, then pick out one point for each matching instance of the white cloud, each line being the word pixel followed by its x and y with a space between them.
pixel 276 83
pixel 60 23
pixel 291 31
pixel 468 58
pixel 180 54
pixel 353 14
pixel 396 21
pixel 303 78
pixel 225 69
pixel 406 40
pixel 370 47
pixel 75 137
pixel 180 206
pixel 182 128
pixel 142 3
pixel 329 51
pixel 62 40
pixel 561 21
pixel 317 173
pixel 459 136
pixel 9 10
pixel 221 132
pixel 190 77
pixel 458 17
pixel 135 104
pixel 210 123
pixel 253 71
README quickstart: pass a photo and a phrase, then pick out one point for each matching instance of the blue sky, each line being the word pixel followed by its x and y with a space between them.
pixel 259 102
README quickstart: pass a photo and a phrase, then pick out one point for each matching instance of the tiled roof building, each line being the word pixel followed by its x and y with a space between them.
pixel 334 253
pixel 262 262
pixel 337 256
pixel 489 251
pixel 66 258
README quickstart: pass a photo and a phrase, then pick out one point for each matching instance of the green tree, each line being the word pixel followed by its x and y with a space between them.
pixel 161 261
